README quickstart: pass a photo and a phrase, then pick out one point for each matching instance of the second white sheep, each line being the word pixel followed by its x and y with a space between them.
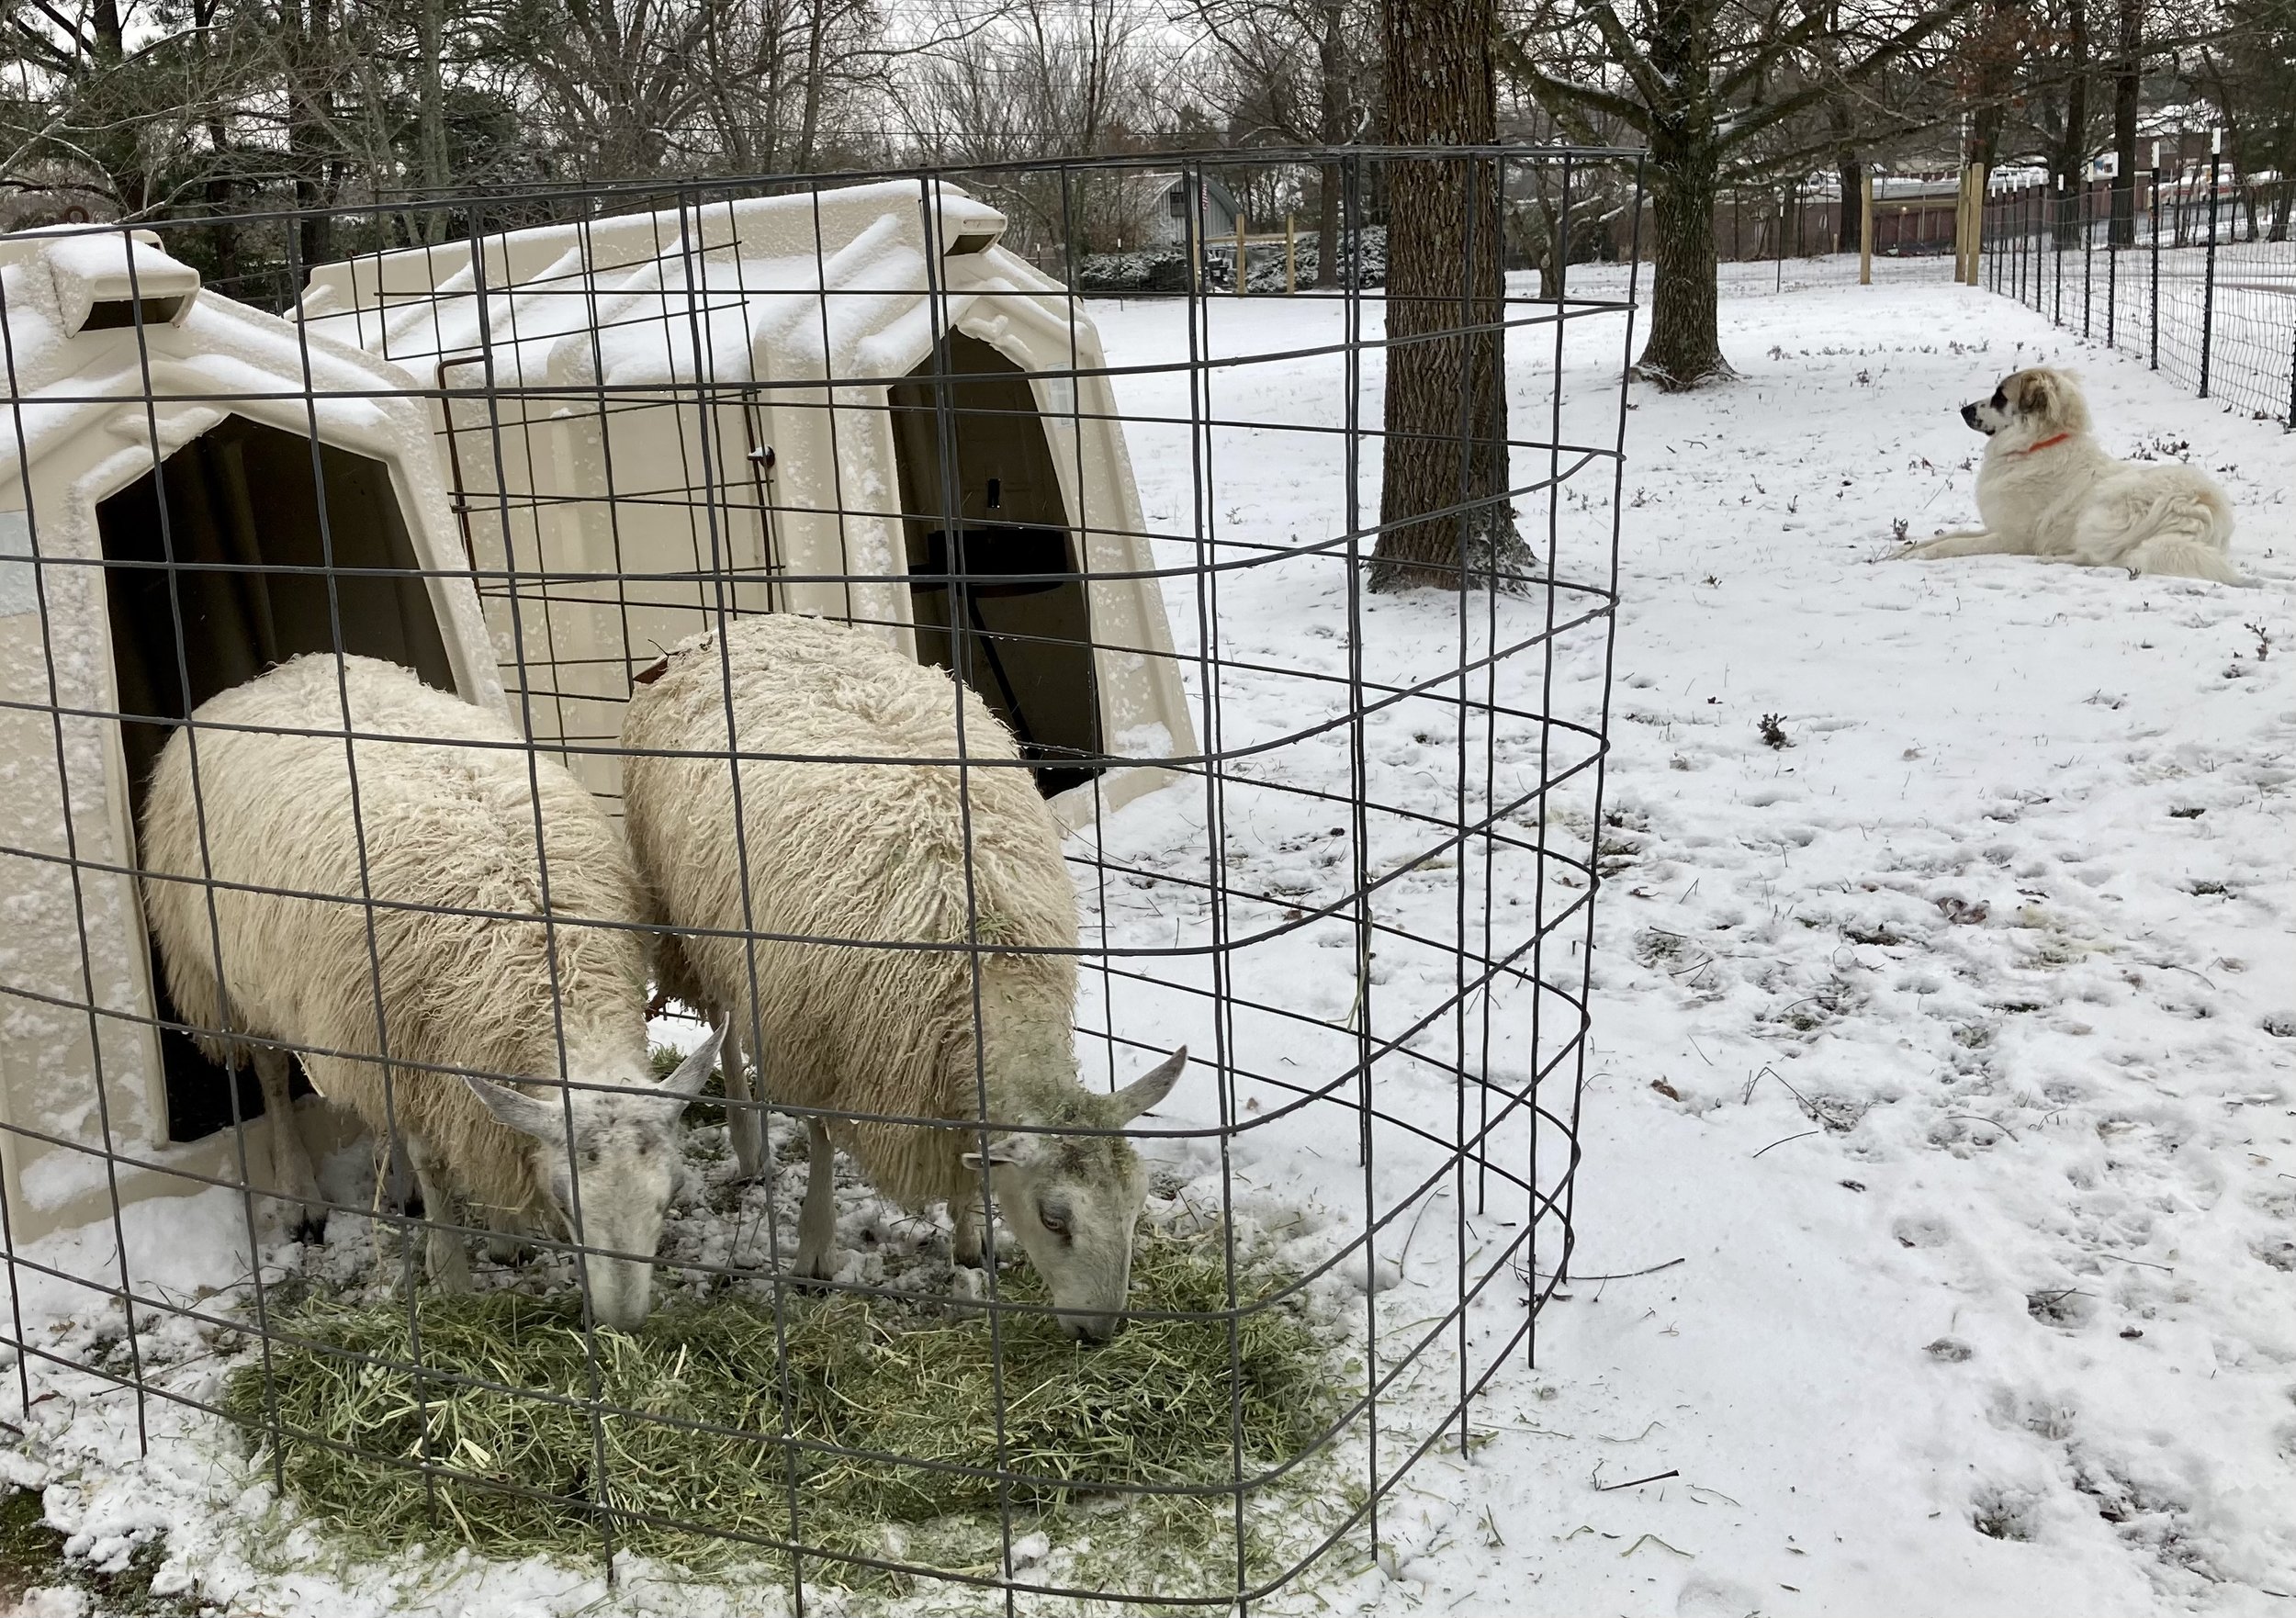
pixel 878 1017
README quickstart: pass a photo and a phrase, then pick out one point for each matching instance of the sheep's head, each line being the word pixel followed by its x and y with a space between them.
pixel 618 1175
pixel 1074 1200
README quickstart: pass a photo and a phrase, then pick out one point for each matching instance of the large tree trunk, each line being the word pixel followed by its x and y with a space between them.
pixel 431 122
pixel 1685 164
pixel 311 42
pixel 1848 239
pixel 2070 158
pixel 2127 84
pixel 1332 117
pixel 1685 349
pixel 1445 445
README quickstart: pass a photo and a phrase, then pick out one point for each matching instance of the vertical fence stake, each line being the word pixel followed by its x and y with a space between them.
pixel 1242 264
pixel 1865 226
pixel 1291 254
pixel 2152 234
pixel 1977 214
pixel 2088 223
pixel 2056 245
pixel 2112 278
pixel 2208 274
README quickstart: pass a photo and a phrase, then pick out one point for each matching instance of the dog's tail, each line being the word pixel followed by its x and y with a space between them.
pixel 2186 535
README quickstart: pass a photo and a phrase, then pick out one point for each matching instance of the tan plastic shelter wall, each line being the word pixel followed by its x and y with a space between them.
pixel 96 403
pixel 654 418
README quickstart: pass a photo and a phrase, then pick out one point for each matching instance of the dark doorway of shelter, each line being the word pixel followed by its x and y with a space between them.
pixel 235 580
pixel 998 597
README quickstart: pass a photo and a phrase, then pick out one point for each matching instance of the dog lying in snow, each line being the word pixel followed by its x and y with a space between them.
pixel 2048 489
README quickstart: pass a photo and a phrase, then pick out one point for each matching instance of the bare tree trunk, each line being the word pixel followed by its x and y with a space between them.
pixel 1445 421
pixel 1852 177
pixel 2070 159
pixel 809 128
pixel 309 44
pixel 1686 348
pixel 432 119
pixel 1329 64
pixel 2127 86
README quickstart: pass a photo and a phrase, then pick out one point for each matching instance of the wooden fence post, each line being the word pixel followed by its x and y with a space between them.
pixel 1977 220
pixel 1243 265
pixel 1291 254
pixel 1961 229
pixel 1866 227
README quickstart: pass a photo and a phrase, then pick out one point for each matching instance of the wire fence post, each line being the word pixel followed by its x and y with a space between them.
pixel 2208 274
pixel 2152 236
pixel 2057 205
pixel 2088 194
pixel 2113 285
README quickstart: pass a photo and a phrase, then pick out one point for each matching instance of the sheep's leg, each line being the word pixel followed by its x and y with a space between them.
pixel 964 1243
pixel 394 1180
pixel 443 1254
pixel 292 1179
pixel 506 1238
pixel 816 1225
pixel 746 1125
pixel 968 1283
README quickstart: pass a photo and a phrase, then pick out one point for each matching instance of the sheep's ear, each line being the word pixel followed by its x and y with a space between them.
pixel 686 1080
pixel 1151 1087
pixel 1002 1154
pixel 545 1121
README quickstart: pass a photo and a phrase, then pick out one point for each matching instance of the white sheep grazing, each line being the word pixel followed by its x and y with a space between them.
pixel 876 852
pixel 439 823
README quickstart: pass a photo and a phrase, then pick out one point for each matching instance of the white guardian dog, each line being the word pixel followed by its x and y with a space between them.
pixel 2047 489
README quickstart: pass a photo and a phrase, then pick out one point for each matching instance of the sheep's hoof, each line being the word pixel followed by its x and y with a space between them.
pixel 812 1269
pixel 967 1286
pixel 303 1221
pixel 508 1251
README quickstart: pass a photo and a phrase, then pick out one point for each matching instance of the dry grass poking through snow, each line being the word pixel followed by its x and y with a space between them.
pixel 879 1379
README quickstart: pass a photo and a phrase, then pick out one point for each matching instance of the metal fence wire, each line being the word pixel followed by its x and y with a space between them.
pixel 2192 268
pixel 462 691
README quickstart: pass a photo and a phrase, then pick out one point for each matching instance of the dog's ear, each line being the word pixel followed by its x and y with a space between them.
pixel 2035 393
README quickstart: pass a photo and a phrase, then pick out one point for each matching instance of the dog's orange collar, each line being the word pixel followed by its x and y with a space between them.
pixel 2044 443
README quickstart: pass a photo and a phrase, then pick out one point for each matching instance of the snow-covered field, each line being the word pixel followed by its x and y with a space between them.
pixel 2012 1329
pixel 1948 1047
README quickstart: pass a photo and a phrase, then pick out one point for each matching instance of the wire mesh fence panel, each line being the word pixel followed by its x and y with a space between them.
pixel 2192 268
pixel 916 972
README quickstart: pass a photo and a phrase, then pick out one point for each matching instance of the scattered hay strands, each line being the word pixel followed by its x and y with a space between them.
pixel 883 1397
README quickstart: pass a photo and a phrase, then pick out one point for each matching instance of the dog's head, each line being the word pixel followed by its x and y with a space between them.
pixel 2039 400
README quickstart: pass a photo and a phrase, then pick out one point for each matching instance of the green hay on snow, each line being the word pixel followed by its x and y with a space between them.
pixel 1151 1407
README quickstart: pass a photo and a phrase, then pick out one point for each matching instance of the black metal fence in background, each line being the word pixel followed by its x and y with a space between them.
pixel 2198 275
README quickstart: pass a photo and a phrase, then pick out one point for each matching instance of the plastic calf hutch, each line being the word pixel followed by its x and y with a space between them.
pixel 850 402
pixel 162 539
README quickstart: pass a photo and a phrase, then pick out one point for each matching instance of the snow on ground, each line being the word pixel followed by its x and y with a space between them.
pixel 1948 1046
